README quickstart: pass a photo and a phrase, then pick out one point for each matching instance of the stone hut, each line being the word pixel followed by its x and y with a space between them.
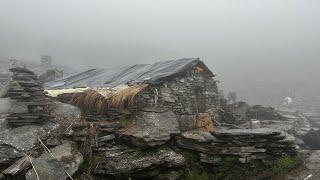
pixel 185 87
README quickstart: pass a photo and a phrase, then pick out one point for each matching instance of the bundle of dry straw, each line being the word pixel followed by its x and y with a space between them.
pixel 88 101
pixel 126 97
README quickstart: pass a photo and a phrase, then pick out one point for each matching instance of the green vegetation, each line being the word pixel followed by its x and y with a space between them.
pixel 230 166
pixel 195 170
pixel 285 163
pixel 195 174
pixel 198 171
pixel 253 168
pixel 126 122
pixel 228 163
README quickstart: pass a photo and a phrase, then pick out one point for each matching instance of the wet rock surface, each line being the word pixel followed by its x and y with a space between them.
pixel 152 129
pixel 121 161
pixel 176 117
pixel 57 164
pixel 15 142
pixel 246 144
pixel 8 155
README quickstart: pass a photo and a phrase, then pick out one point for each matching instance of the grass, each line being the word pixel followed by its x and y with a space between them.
pixel 228 163
pixel 126 122
pixel 195 174
pixel 253 168
pixel 196 170
pixel 231 167
pixel 285 163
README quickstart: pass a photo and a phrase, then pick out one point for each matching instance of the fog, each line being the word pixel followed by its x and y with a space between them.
pixel 262 49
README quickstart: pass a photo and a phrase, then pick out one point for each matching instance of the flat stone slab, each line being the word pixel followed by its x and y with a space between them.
pixel 247 132
pixel 22 138
pixel 152 129
pixel 53 166
pixel 121 160
pixel 313 161
pixel 199 136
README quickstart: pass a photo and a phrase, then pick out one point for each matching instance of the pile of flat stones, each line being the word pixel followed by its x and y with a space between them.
pixel 246 144
pixel 29 102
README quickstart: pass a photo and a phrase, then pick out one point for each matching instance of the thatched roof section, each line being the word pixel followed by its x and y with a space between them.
pixel 88 101
pixel 99 99
pixel 126 97
pixel 136 74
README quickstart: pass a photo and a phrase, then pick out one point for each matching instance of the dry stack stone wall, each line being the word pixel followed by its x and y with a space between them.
pixel 28 100
pixel 186 96
pixel 246 144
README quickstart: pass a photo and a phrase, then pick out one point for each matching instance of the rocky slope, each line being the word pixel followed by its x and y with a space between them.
pixel 151 145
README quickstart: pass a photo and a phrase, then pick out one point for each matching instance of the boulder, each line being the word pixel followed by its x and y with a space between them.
pixel 151 129
pixel 64 110
pixel 187 122
pixel 54 165
pixel 22 138
pixel 14 142
pixel 313 161
pixel 8 155
pixel 122 161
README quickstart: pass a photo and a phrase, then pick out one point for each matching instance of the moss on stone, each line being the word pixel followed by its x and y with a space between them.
pixel 285 163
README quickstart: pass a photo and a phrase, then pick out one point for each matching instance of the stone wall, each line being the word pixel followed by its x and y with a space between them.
pixel 29 104
pixel 186 96
pixel 245 144
pixel 4 83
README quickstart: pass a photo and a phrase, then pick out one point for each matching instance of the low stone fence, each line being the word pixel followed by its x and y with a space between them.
pixel 246 144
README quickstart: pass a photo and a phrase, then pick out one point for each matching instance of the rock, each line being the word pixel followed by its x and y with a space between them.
pixel 15 142
pixel 21 70
pixel 22 138
pixel 123 161
pixel 313 161
pixel 244 143
pixel 106 138
pixel 210 159
pixel 169 99
pixel 8 155
pixel 63 110
pixel 66 158
pixel 199 136
pixel 187 122
pixel 49 169
pixel 151 129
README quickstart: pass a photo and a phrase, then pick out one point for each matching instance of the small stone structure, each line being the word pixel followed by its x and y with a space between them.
pixel 185 86
pixel 28 100
pixel 187 95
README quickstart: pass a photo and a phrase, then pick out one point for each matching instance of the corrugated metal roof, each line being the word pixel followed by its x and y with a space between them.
pixel 112 77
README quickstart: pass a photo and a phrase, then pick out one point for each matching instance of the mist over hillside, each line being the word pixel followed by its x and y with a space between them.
pixel 263 50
